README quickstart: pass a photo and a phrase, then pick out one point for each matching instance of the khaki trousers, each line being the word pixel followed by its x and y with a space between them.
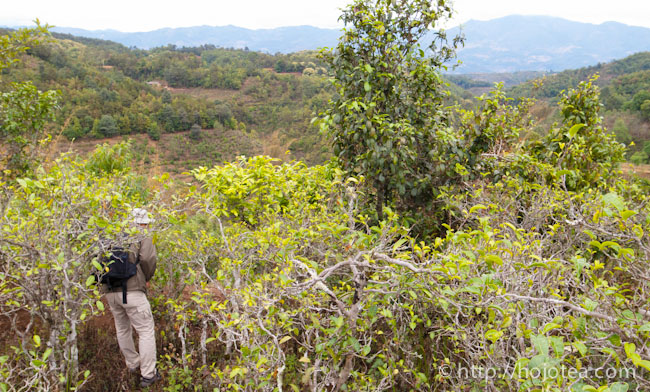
pixel 135 314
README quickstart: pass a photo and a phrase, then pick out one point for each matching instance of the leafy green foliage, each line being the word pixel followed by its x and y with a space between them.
pixel 110 160
pixel 621 131
pixel 389 102
pixel 56 223
pixel 489 132
pixel 580 148
pixel 624 91
pixel 17 42
pixel 111 80
pixel 24 110
pixel 105 126
pixel 195 132
pixel 644 109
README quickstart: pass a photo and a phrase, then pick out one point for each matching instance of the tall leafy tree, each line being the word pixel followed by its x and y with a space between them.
pixel 390 98
pixel 106 126
pixel 24 110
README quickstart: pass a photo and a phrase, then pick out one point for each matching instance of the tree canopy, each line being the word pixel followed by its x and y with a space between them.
pixel 389 102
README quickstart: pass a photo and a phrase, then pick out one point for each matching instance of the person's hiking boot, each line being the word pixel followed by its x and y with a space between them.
pixel 147 382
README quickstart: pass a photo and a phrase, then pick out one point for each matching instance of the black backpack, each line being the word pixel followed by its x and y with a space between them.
pixel 118 269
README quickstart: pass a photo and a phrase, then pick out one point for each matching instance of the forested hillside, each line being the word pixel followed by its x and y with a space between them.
pixel 441 249
pixel 541 43
pixel 625 96
pixel 256 102
pixel 205 104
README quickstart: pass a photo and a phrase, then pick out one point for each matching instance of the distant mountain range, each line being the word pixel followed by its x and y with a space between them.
pixel 543 43
pixel 282 39
pixel 508 44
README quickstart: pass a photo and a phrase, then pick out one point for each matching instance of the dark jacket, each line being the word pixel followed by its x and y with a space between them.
pixel 145 250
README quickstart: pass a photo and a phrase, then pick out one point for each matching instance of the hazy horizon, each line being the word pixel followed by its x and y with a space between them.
pixel 16 25
pixel 143 16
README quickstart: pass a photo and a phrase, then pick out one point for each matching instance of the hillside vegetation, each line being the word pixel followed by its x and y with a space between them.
pixel 438 251
pixel 625 96
pixel 541 43
pixel 269 100
pixel 108 90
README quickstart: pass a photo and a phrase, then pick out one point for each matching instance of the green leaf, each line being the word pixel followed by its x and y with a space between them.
pixel 366 86
pixel 97 266
pixel 541 361
pixel 261 362
pixel 589 304
pixel 630 349
pixel 493 335
pixel 493 259
pixel 541 344
pixel 642 363
pixel 284 278
pixel 90 281
pixel 38 362
pixel 581 347
pixel 398 244
pixel 615 340
pixel 612 353
pixel 590 234
pixel 627 213
pixel 100 306
pixel 574 130
pixel 37 340
pixel 285 339
pixel 619 387
pixel 550 326
pixel 612 199
pixel 557 342
pixel 476 208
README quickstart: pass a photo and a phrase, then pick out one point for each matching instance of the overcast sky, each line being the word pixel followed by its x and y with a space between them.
pixel 146 15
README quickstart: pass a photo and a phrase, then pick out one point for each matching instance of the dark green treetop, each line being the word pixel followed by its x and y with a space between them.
pixel 390 94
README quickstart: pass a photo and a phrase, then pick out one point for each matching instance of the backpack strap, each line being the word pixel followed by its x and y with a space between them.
pixel 137 261
pixel 124 292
